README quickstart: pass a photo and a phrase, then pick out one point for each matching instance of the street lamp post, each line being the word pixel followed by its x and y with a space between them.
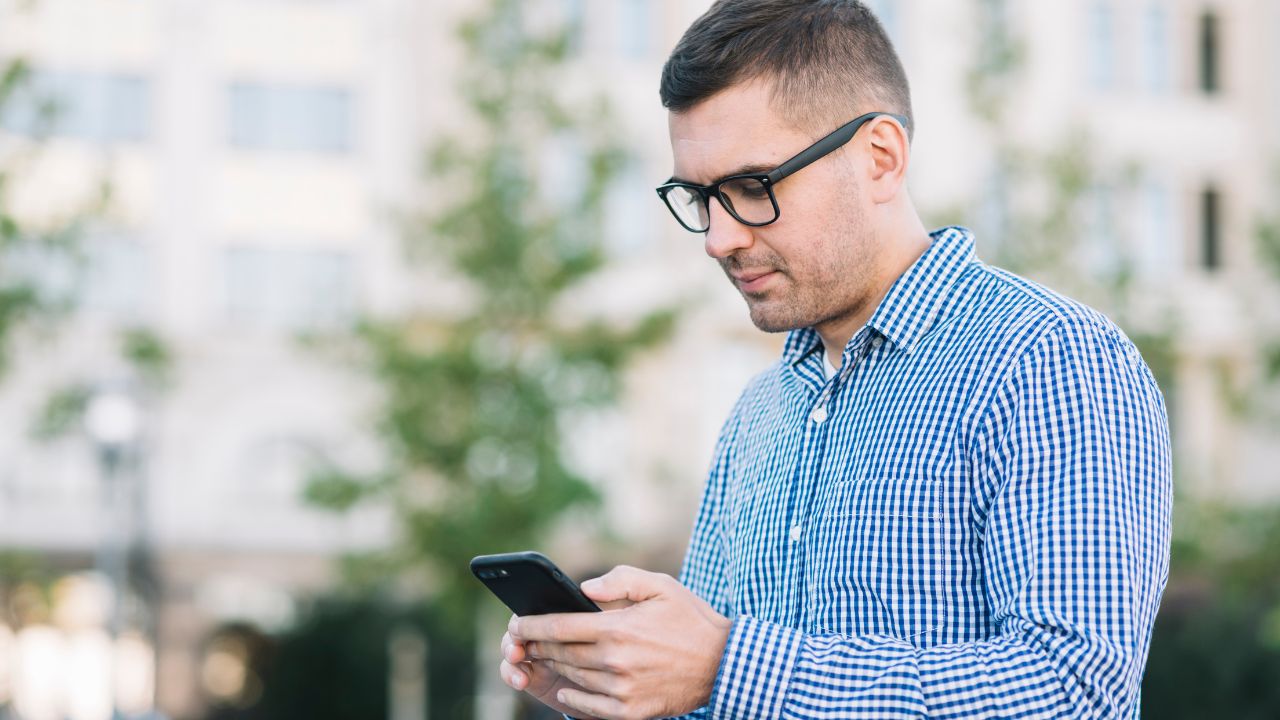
pixel 112 421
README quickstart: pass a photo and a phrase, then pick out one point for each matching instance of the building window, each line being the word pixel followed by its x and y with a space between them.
pixel 886 11
pixel 48 272
pixel 1210 66
pixel 288 288
pixel 1156 59
pixel 290 118
pixel 1102 55
pixel 563 173
pixel 630 211
pixel 992 220
pixel 102 108
pixel 1100 251
pixel 1158 253
pixel 574 13
pixel 102 273
pixel 1210 229
pixel 116 277
pixel 635 28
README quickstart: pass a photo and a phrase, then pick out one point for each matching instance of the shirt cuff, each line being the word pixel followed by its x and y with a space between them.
pixel 758 661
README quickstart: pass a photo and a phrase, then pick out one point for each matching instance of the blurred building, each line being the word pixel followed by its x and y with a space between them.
pixel 259 151
pixel 254 151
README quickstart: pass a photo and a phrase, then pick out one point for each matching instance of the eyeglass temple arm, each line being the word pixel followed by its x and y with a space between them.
pixel 833 140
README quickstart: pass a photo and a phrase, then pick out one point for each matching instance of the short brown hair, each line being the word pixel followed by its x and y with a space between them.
pixel 825 57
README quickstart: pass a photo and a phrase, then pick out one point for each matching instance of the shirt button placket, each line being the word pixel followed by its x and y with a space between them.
pixel 819 414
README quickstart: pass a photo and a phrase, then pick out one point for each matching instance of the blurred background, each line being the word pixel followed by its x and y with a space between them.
pixel 303 303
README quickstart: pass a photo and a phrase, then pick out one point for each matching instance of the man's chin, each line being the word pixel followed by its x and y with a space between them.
pixel 770 320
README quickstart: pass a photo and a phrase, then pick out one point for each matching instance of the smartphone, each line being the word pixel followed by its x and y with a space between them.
pixel 530 584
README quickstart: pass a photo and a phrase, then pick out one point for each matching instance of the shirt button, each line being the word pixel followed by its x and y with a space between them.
pixel 819 414
pixel 877 342
pixel 795 533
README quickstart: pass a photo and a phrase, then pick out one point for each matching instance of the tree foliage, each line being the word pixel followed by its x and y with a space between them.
pixel 479 403
pixel 21 298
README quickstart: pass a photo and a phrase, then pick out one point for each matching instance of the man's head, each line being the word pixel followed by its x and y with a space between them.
pixel 752 83
pixel 824 59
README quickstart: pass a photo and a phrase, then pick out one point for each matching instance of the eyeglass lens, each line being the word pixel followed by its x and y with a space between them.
pixel 745 198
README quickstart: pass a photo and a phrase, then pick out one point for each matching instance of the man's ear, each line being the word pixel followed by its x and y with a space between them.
pixel 889 150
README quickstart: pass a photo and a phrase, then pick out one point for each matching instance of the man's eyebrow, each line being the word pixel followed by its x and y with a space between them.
pixel 749 169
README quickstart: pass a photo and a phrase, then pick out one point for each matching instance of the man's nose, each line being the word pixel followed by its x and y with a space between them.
pixel 725 235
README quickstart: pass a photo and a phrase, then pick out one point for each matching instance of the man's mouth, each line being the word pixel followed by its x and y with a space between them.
pixel 754 280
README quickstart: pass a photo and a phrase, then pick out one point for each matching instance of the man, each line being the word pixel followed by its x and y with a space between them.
pixel 949 498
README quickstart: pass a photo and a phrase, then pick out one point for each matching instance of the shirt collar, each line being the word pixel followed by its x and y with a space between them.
pixel 916 301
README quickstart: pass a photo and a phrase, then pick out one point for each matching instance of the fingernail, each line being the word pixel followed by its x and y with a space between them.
pixel 592 584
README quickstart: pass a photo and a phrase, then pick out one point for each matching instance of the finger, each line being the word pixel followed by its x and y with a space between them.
pixel 595 681
pixel 513 651
pixel 586 703
pixel 512 676
pixel 562 627
pixel 530 677
pixel 626 583
pixel 583 655
pixel 541 678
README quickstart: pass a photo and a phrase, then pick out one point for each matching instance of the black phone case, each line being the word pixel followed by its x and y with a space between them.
pixel 530 584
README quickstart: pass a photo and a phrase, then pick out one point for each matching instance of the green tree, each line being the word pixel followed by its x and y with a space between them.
pixel 23 243
pixel 478 403
pixel 33 249
pixel 1267 233
pixel 30 248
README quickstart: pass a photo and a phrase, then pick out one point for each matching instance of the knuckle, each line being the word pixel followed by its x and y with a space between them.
pixel 623 689
pixel 616 662
pixel 609 662
pixel 617 634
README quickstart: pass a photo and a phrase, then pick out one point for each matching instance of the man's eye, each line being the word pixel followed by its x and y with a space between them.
pixel 747 189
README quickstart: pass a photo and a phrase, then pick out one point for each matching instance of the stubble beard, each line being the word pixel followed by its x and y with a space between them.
pixel 831 291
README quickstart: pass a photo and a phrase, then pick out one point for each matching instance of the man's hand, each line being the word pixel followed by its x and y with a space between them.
pixel 532 677
pixel 656 658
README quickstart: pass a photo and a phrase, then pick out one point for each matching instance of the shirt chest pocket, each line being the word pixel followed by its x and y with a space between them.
pixel 882 561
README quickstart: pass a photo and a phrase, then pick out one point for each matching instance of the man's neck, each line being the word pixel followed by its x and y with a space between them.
pixel 899 256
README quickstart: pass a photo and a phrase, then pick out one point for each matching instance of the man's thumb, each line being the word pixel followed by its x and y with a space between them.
pixel 624 583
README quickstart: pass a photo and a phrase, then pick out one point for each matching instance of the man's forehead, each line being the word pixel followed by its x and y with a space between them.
pixel 734 129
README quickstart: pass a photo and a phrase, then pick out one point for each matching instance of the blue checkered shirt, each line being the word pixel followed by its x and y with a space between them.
pixel 970 520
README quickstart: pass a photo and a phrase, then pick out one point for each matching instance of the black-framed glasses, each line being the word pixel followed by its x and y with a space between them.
pixel 749 197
